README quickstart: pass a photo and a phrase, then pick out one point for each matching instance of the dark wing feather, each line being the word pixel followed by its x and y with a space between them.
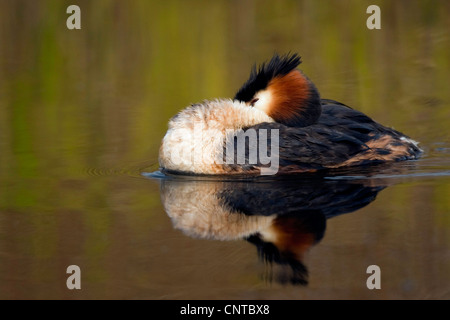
pixel 340 134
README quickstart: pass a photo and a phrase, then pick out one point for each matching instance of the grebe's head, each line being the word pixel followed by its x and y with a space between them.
pixel 283 92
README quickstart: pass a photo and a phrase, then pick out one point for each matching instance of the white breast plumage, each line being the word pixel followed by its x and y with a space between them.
pixel 195 137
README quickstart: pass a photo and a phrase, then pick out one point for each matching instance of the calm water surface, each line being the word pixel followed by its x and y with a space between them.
pixel 82 114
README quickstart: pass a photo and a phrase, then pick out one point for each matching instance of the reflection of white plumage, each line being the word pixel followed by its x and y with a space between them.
pixel 196 208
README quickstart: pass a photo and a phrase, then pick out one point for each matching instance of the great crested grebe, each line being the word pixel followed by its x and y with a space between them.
pixel 278 111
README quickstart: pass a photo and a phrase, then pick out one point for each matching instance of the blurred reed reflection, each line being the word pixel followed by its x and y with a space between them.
pixel 283 218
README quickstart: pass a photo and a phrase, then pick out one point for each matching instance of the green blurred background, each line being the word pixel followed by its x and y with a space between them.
pixel 82 113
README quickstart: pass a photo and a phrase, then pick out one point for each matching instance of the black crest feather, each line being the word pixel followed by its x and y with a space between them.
pixel 260 77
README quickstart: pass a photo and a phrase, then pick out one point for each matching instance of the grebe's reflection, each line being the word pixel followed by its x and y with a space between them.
pixel 282 218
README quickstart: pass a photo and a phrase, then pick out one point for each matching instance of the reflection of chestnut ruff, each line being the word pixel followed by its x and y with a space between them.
pixel 283 218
